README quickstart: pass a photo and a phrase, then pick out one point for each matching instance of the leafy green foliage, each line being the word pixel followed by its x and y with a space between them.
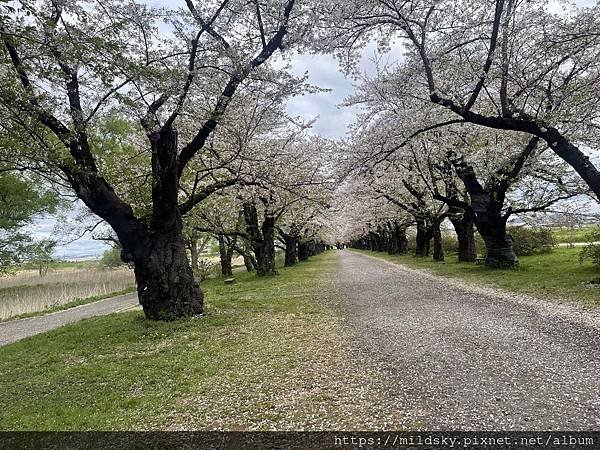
pixel 115 142
pixel 592 250
pixel 480 244
pixel 21 200
pixel 529 241
pixel 450 243
pixel 111 258
pixel 40 254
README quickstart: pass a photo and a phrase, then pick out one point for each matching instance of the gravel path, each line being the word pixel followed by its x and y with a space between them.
pixel 459 357
pixel 16 330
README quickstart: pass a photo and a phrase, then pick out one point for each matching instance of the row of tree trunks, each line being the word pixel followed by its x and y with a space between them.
pixel 398 242
pixel 306 249
pixel 393 238
pixel 196 243
pixel 390 238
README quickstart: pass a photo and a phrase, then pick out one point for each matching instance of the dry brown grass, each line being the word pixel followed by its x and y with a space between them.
pixel 27 292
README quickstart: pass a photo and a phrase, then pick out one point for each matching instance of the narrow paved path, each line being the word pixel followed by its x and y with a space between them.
pixel 457 359
pixel 16 330
pixel 576 244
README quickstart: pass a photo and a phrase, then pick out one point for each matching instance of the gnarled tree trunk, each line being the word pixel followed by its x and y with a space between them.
pixel 491 224
pixel 166 286
pixel 165 281
pixel 465 234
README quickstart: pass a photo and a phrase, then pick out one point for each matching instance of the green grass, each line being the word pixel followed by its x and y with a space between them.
pixel 268 354
pixel 564 235
pixel 555 276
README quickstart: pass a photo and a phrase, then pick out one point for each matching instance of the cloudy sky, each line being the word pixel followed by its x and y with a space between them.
pixel 333 120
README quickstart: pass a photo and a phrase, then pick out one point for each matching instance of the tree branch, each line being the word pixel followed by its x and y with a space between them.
pixel 204 193
pixel 235 80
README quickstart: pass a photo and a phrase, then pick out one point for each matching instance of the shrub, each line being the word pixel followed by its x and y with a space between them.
pixel 592 250
pixel 528 241
pixel 111 258
pixel 205 269
pixel 450 243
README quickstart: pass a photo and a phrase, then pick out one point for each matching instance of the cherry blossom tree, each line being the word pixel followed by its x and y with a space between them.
pixel 66 64
pixel 294 186
pixel 481 176
pixel 513 66
pixel 365 219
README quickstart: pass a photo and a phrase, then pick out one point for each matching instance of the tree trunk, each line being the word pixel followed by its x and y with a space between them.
pixel 291 249
pixel 381 240
pixel 262 240
pixel 402 241
pixel 266 261
pixel 248 263
pixel 303 251
pixel 245 252
pixel 399 242
pixel 393 244
pixel 165 281
pixel 424 235
pixel 438 249
pixel 492 227
pixel 465 233
pixel 498 247
pixel 225 256
pixel 486 205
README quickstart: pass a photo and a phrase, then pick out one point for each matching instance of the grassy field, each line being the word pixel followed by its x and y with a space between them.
pixel 26 293
pixel 563 235
pixel 270 354
pixel 556 276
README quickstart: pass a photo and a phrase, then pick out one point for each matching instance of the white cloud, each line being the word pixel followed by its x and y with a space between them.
pixel 324 72
pixel 48 228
